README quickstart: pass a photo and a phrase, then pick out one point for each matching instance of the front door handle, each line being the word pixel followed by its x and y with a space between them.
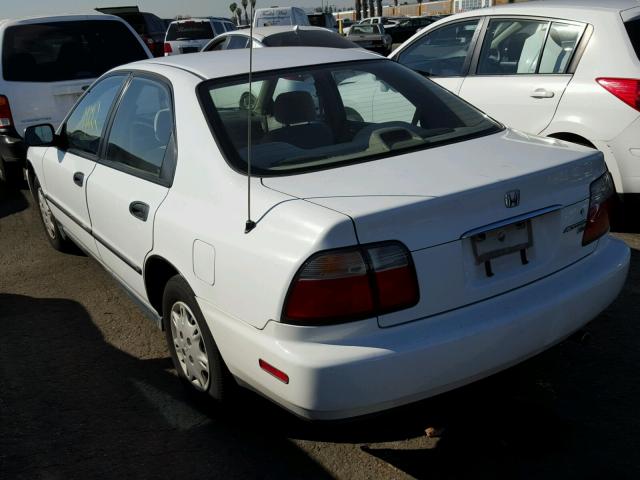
pixel 78 178
pixel 140 210
pixel 542 93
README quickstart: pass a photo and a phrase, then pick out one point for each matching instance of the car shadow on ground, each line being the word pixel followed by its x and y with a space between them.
pixel 12 199
pixel 73 406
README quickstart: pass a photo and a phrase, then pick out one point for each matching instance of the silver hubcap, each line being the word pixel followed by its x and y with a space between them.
pixel 47 216
pixel 189 345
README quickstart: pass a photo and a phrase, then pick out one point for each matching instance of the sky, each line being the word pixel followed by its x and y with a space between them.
pixel 162 8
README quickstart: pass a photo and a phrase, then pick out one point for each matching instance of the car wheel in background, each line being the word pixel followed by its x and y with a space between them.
pixel 195 355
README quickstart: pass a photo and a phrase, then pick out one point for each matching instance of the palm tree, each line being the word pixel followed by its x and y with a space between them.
pixel 372 12
pixel 379 7
pixel 233 7
pixel 358 7
pixel 244 6
pixel 365 9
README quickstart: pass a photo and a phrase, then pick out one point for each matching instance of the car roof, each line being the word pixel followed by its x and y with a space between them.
pixel 58 18
pixel 581 10
pixel 226 63
pixel 260 33
pixel 194 19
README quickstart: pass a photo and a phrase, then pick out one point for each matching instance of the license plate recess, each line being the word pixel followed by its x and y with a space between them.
pixel 515 237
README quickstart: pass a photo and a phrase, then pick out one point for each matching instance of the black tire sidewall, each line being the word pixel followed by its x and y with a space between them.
pixel 220 380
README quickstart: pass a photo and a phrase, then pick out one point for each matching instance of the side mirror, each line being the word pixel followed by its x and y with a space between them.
pixel 40 136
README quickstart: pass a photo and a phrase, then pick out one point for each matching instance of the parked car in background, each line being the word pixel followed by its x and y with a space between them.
pixel 435 236
pixel 149 26
pixel 372 37
pixel 325 20
pixel 47 63
pixel 568 70
pixel 280 16
pixel 344 24
pixel 190 35
pixel 279 37
pixel 408 27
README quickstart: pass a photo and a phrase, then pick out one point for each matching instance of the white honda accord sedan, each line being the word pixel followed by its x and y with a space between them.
pixel 403 242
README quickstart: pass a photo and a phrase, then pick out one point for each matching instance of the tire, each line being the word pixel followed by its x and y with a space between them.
pixel 11 173
pixel 190 342
pixel 51 228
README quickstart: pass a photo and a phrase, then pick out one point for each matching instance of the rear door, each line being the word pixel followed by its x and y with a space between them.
pixel 443 54
pixel 522 70
pixel 48 66
pixel 66 171
pixel 133 177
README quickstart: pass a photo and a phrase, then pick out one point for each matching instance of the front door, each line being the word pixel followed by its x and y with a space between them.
pixel 133 178
pixel 522 71
pixel 443 54
pixel 66 171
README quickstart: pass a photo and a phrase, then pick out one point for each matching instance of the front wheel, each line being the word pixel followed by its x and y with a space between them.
pixel 195 355
pixel 57 240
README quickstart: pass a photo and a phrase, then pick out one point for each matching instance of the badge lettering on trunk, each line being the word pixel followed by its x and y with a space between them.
pixel 512 198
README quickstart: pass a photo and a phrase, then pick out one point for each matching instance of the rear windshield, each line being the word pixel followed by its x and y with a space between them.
pixel 317 20
pixel 365 29
pixel 308 38
pixel 325 116
pixel 59 51
pixel 189 31
pixel 136 20
pixel 633 29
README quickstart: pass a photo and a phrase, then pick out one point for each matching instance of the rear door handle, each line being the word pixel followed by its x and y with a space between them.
pixel 78 178
pixel 140 210
pixel 542 93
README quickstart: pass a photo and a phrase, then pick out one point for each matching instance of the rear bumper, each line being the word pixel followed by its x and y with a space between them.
pixel 355 369
pixel 626 150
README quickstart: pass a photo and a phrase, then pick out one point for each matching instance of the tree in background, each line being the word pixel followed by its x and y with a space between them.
pixel 244 6
pixel 372 12
pixel 379 7
pixel 365 9
pixel 358 8
pixel 233 7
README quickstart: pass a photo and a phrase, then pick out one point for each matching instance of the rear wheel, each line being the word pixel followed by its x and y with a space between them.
pixel 195 355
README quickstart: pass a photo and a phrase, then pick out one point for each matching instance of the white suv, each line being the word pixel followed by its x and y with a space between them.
pixel 47 63
pixel 569 70
pixel 189 36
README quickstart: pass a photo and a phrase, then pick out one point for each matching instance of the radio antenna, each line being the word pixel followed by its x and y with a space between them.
pixel 250 224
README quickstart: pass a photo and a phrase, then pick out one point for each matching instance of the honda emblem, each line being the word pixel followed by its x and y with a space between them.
pixel 512 198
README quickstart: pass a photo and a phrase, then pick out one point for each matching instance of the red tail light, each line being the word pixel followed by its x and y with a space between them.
pixel 6 119
pixel 167 48
pixel 601 201
pixel 626 89
pixel 352 284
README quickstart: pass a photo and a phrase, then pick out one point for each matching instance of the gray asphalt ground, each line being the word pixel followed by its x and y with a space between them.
pixel 87 391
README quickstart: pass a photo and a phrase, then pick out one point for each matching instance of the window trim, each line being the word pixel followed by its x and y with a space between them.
pixel 63 125
pixel 571 64
pixel 470 52
pixel 166 176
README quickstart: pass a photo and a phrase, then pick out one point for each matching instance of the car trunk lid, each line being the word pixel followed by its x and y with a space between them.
pixel 440 201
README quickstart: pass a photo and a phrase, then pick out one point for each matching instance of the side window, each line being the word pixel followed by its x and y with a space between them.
pixel 217 27
pixel 85 126
pixel 237 41
pixel 441 52
pixel 559 48
pixel 219 45
pixel 142 131
pixel 512 46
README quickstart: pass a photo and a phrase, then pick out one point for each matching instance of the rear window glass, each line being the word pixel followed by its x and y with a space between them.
pixel 633 29
pixel 326 116
pixel 308 38
pixel 365 29
pixel 59 51
pixel 317 20
pixel 189 31
pixel 136 20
